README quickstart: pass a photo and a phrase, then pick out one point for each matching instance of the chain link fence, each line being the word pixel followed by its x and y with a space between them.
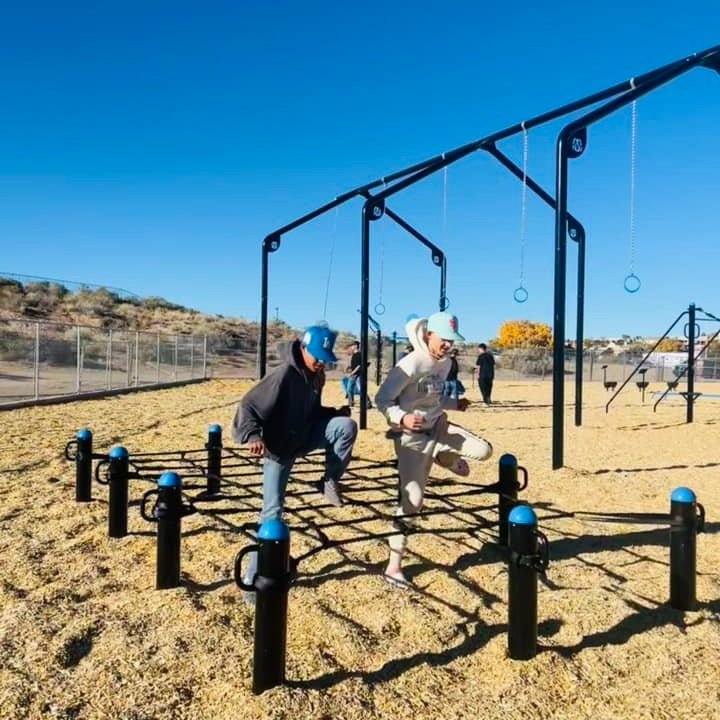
pixel 41 359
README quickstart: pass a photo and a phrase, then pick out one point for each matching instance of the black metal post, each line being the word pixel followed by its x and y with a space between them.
pixel 522 592
pixel 559 304
pixel 214 459
pixel 691 363
pixel 378 364
pixel 118 493
pixel 394 348
pixel 168 512
pixel 683 542
pixel 508 486
pixel 271 584
pixel 372 210
pixel 83 466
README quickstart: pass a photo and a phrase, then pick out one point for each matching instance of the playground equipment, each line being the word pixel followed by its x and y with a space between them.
pixel 608 384
pixel 572 143
pixel 695 315
pixel 529 555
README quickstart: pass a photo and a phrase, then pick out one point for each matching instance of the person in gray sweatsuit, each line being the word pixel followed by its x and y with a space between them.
pixel 281 419
pixel 411 398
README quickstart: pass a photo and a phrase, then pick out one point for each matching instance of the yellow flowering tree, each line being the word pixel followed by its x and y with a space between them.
pixel 523 334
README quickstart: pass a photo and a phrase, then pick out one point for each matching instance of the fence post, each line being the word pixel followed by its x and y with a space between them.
pixel 204 357
pixel 108 362
pixel 78 358
pixel 137 358
pixel 157 354
pixel 192 355
pixel 36 364
pixel 175 354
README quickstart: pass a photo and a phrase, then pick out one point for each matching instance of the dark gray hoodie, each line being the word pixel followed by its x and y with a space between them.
pixel 281 409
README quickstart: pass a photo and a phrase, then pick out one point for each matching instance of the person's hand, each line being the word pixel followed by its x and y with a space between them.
pixel 411 421
pixel 256 448
pixel 344 411
pixel 463 404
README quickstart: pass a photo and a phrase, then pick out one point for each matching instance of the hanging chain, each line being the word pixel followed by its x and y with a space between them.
pixel 330 264
pixel 523 206
pixel 633 170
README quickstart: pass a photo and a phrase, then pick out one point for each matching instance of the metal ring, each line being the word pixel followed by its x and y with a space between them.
pixel 520 295
pixel 379 309
pixel 632 283
pixel 445 302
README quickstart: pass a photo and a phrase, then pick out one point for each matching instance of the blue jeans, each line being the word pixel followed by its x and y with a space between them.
pixel 337 436
pixel 351 386
pixel 453 388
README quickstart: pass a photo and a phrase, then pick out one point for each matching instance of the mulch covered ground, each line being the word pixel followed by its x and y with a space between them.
pixel 85 634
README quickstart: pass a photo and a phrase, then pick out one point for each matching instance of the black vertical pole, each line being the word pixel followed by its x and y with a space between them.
pixel 368 208
pixel 83 466
pixel 394 348
pixel 263 311
pixel 559 301
pixel 168 512
pixel 118 493
pixel 214 459
pixel 691 363
pixel 507 493
pixel 578 234
pixel 683 542
pixel 522 587
pixel 271 584
pixel 378 364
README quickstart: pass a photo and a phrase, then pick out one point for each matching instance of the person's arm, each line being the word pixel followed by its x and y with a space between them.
pixel 388 394
pixel 255 406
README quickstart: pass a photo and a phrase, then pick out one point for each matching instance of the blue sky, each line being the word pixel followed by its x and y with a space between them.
pixel 152 146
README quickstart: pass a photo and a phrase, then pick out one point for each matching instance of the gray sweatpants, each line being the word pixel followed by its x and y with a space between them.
pixel 444 443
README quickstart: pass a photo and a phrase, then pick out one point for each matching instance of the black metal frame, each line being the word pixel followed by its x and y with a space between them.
pixel 571 143
pixel 271 243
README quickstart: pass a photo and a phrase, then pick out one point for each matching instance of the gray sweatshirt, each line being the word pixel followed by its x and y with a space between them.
pixel 416 383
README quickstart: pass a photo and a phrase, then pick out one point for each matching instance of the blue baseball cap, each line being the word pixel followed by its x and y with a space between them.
pixel 319 341
pixel 445 325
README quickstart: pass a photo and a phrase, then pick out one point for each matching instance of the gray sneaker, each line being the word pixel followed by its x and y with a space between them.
pixel 331 492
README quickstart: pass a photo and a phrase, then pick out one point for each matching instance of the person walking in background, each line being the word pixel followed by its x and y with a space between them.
pixel 351 381
pixel 485 365
pixel 412 400
pixel 282 418
pixel 453 385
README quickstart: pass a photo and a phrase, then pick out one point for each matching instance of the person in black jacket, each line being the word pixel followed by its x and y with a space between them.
pixel 282 418
pixel 485 364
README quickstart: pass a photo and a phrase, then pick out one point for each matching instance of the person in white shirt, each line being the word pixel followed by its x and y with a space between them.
pixel 411 398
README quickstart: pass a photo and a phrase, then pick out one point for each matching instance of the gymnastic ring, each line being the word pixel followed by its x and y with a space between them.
pixel 632 283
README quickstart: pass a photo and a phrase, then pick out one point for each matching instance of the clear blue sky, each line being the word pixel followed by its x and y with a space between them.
pixel 151 146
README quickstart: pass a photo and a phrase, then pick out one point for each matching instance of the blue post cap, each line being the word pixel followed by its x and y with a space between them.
pixel 83 434
pixel 215 429
pixel 683 495
pixel 411 316
pixel 273 530
pixel 169 480
pixel 119 453
pixel 522 515
pixel 508 459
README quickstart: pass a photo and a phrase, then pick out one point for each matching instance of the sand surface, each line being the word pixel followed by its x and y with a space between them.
pixel 85 634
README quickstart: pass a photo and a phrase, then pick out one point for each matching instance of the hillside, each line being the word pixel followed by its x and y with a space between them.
pixel 53 302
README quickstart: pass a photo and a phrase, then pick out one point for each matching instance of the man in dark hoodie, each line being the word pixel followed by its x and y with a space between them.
pixel 282 419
